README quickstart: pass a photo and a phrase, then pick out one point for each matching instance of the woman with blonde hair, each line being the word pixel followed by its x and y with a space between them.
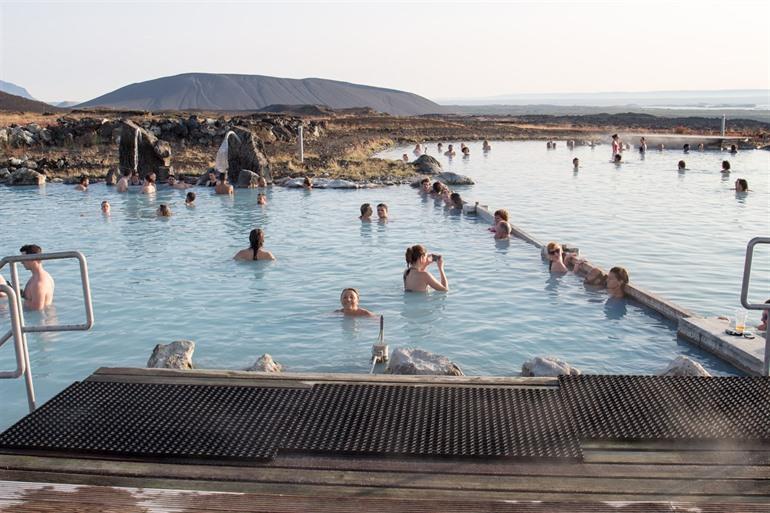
pixel 349 299
pixel 555 258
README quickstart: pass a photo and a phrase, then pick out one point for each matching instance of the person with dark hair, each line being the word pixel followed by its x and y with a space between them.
pixel 416 278
pixel 617 159
pixel 485 146
pixel 733 149
pixel 307 183
pixel 82 184
pixel 211 179
pixel 366 213
pixel 617 146
pixel 425 186
pixel 642 145
pixel 261 199
pixel 438 189
pixel 575 164
pixel 382 212
pixel 686 148
pixel 122 185
pixel 134 179
pixel 726 166
pixel 175 184
pixel 349 299
pixel 261 182
pixel 681 165
pixel 149 185
pixel 617 279
pixel 455 201
pixel 762 326
pixel 222 186
pixel 466 152
pixel 189 200
pixel 741 185
pixel 450 152
pixel 106 208
pixel 255 250
pixel 38 292
pixel 163 211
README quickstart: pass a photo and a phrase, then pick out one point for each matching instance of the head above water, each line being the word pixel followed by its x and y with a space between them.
pixel 366 210
pixel 620 275
pixel 414 254
pixel 618 158
pixel 164 211
pixel 307 182
pixel 438 187
pixel 456 199
pixel 501 215
pixel 105 206
pixel 741 185
pixel 349 298
pixel 190 198
pixel 382 210
pixel 83 180
pixel 554 249
pixel 681 164
pixel 256 239
pixel 30 249
pixel 725 165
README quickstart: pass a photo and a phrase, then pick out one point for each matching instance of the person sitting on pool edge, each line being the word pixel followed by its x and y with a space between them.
pixel 681 165
pixel 503 230
pixel 366 213
pixel 189 200
pixel 741 185
pixel 222 186
pixel 726 166
pixel 82 184
pixel 349 299
pixel 382 212
pixel 617 279
pixel 416 278
pixel 38 292
pixel 555 258
pixel 254 251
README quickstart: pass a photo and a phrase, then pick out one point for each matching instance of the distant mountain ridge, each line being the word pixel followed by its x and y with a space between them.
pixel 228 92
pixel 17 90
pixel 12 102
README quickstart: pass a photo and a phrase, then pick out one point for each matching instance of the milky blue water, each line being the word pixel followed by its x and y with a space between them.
pixel 158 280
pixel 680 234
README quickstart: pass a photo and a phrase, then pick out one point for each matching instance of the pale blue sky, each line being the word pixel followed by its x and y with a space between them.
pixel 80 50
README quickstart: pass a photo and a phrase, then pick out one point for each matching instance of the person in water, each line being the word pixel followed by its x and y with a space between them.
pixel 307 183
pixel 405 158
pixel 349 299
pixel 485 146
pixel 82 184
pixel 106 208
pixel 255 250
pixel 455 200
pixel 617 145
pixel 425 186
pixel 500 216
pixel 733 149
pixel 174 184
pixel 642 145
pixel 163 211
pixel 439 147
pixel 617 279
pixel 681 165
pixel 762 326
pixel 466 152
pixel 261 199
pixel 38 292
pixel 366 213
pixel 450 152
pixel 416 278
pixel 686 148
pixel 149 186
pixel 417 150
pixel 503 230
pixel 617 159
pixel 122 185
pixel 222 186
pixel 261 182
pixel 382 212
pixel 438 189
pixel 741 185
pixel 211 181
pixel 726 167
pixel 555 258
pixel 575 164
pixel 189 200
pixel 135 180
pixel 595 276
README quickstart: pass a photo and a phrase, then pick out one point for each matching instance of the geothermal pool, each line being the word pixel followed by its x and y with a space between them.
pixel 681 235
pixel 158 280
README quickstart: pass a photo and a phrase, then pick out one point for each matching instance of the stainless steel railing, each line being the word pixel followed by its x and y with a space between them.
pixel 745 295
pixel 19 330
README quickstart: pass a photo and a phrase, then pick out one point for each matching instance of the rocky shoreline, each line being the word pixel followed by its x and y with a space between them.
pixel 338 146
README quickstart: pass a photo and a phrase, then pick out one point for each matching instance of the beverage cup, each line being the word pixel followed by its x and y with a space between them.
pixel 740 320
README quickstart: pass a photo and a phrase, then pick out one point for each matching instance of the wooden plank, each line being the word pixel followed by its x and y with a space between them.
pixel 650 457
pixel 229 471
pixel 683 485
pixel 195 380
pixel 327 491
pixel 47 497
pixel 334 377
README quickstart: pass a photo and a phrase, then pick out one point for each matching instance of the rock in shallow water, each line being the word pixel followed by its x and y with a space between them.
pixel 412 361
pixel 24 176
pixel 547 367
pixel 684 366
pixel 427 165
pixel 449 178
pixel 265 363
pixel 176 355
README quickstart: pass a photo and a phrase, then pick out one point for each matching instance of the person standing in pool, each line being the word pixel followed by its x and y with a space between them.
pixel 255 250
pixel 681 165
pixel 741 185
pixel 211 181
pixel 417 150
pixel 149 186
pixel 135 180
pixel 106 208
pixel 617 145
pixel 555 258
pixel 382 213
pixel 726 167
pixel 122 185
pixel 642 145
pixel 450 152
pixel 455 201
pixel 576 164
pixel 425 187
pixel 349 300
pixel 500 216
pixel 261 199
pixel 222 186
pixel 38 292
pixel 503 230
pixel 485 146
pixel 307 183
pixel 617 279
pixel 82 184
pixel 416 278
pixel 366 213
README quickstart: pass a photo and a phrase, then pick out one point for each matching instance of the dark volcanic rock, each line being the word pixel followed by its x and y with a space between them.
pixel 427 165
pixel 244 151
pixel 152 153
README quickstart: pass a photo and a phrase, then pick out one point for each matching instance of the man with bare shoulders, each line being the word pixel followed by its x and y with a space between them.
pixel 122 185
pixel 38 292
pixel 222 186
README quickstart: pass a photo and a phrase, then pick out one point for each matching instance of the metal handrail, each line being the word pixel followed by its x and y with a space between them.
pixel 745 295
pixel 19 330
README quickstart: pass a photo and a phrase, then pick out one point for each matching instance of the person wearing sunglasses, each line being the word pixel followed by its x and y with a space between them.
pixel 555 258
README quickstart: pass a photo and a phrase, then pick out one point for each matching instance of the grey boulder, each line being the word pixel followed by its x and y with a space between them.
pixel 684 366
pixel 247 179
pixel 176 355
pixel 547 367
pixel 427 165
pixel 265 363
pixel 411 361
pixel 24 176
pixel 450 178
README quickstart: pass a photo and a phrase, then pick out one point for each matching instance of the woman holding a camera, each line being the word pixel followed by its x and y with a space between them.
pixel 416 278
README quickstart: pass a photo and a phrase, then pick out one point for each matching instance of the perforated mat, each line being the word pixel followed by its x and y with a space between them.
pixel 668 407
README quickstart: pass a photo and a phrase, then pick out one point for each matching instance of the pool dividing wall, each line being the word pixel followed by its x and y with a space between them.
pixel 708 333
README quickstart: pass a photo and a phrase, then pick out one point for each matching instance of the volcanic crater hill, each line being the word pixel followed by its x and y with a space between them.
pixel 11 102
pixel 231 93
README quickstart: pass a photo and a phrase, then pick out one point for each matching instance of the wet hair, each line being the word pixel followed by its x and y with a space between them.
pixel 149 180
pixel 164 210
pixel 726 165
pixel 355 291
pixel 382 205
pixel 83 179
pixel 618 158
pixel 127 172
pixel 575 160
pixel 190 197
pixel 222 176
pixel 366 207
pixel 502 214
pixel 437 186
pixel 256 241
pixel 31 249
pixel 681 164
pixel 457 200
pixel 743 183
pixel 733 147
pixel 686 146
pixel 414 253
pixel 621 275
pixel 105 202
pixel 614 136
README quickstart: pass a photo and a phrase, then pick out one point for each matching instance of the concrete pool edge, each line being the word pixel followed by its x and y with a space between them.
pixel 706 333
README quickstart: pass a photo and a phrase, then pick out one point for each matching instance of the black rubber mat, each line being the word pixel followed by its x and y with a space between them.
pixel 436 421
pixel 160 420
pixel 668 407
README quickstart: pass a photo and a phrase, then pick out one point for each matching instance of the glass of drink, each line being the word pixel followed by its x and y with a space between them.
pixel 740 320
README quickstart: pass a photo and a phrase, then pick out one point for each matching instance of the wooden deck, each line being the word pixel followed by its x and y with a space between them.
pixel 613 476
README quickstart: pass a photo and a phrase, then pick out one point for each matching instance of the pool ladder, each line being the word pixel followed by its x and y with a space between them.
pixel 19 330
pixel 745 295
